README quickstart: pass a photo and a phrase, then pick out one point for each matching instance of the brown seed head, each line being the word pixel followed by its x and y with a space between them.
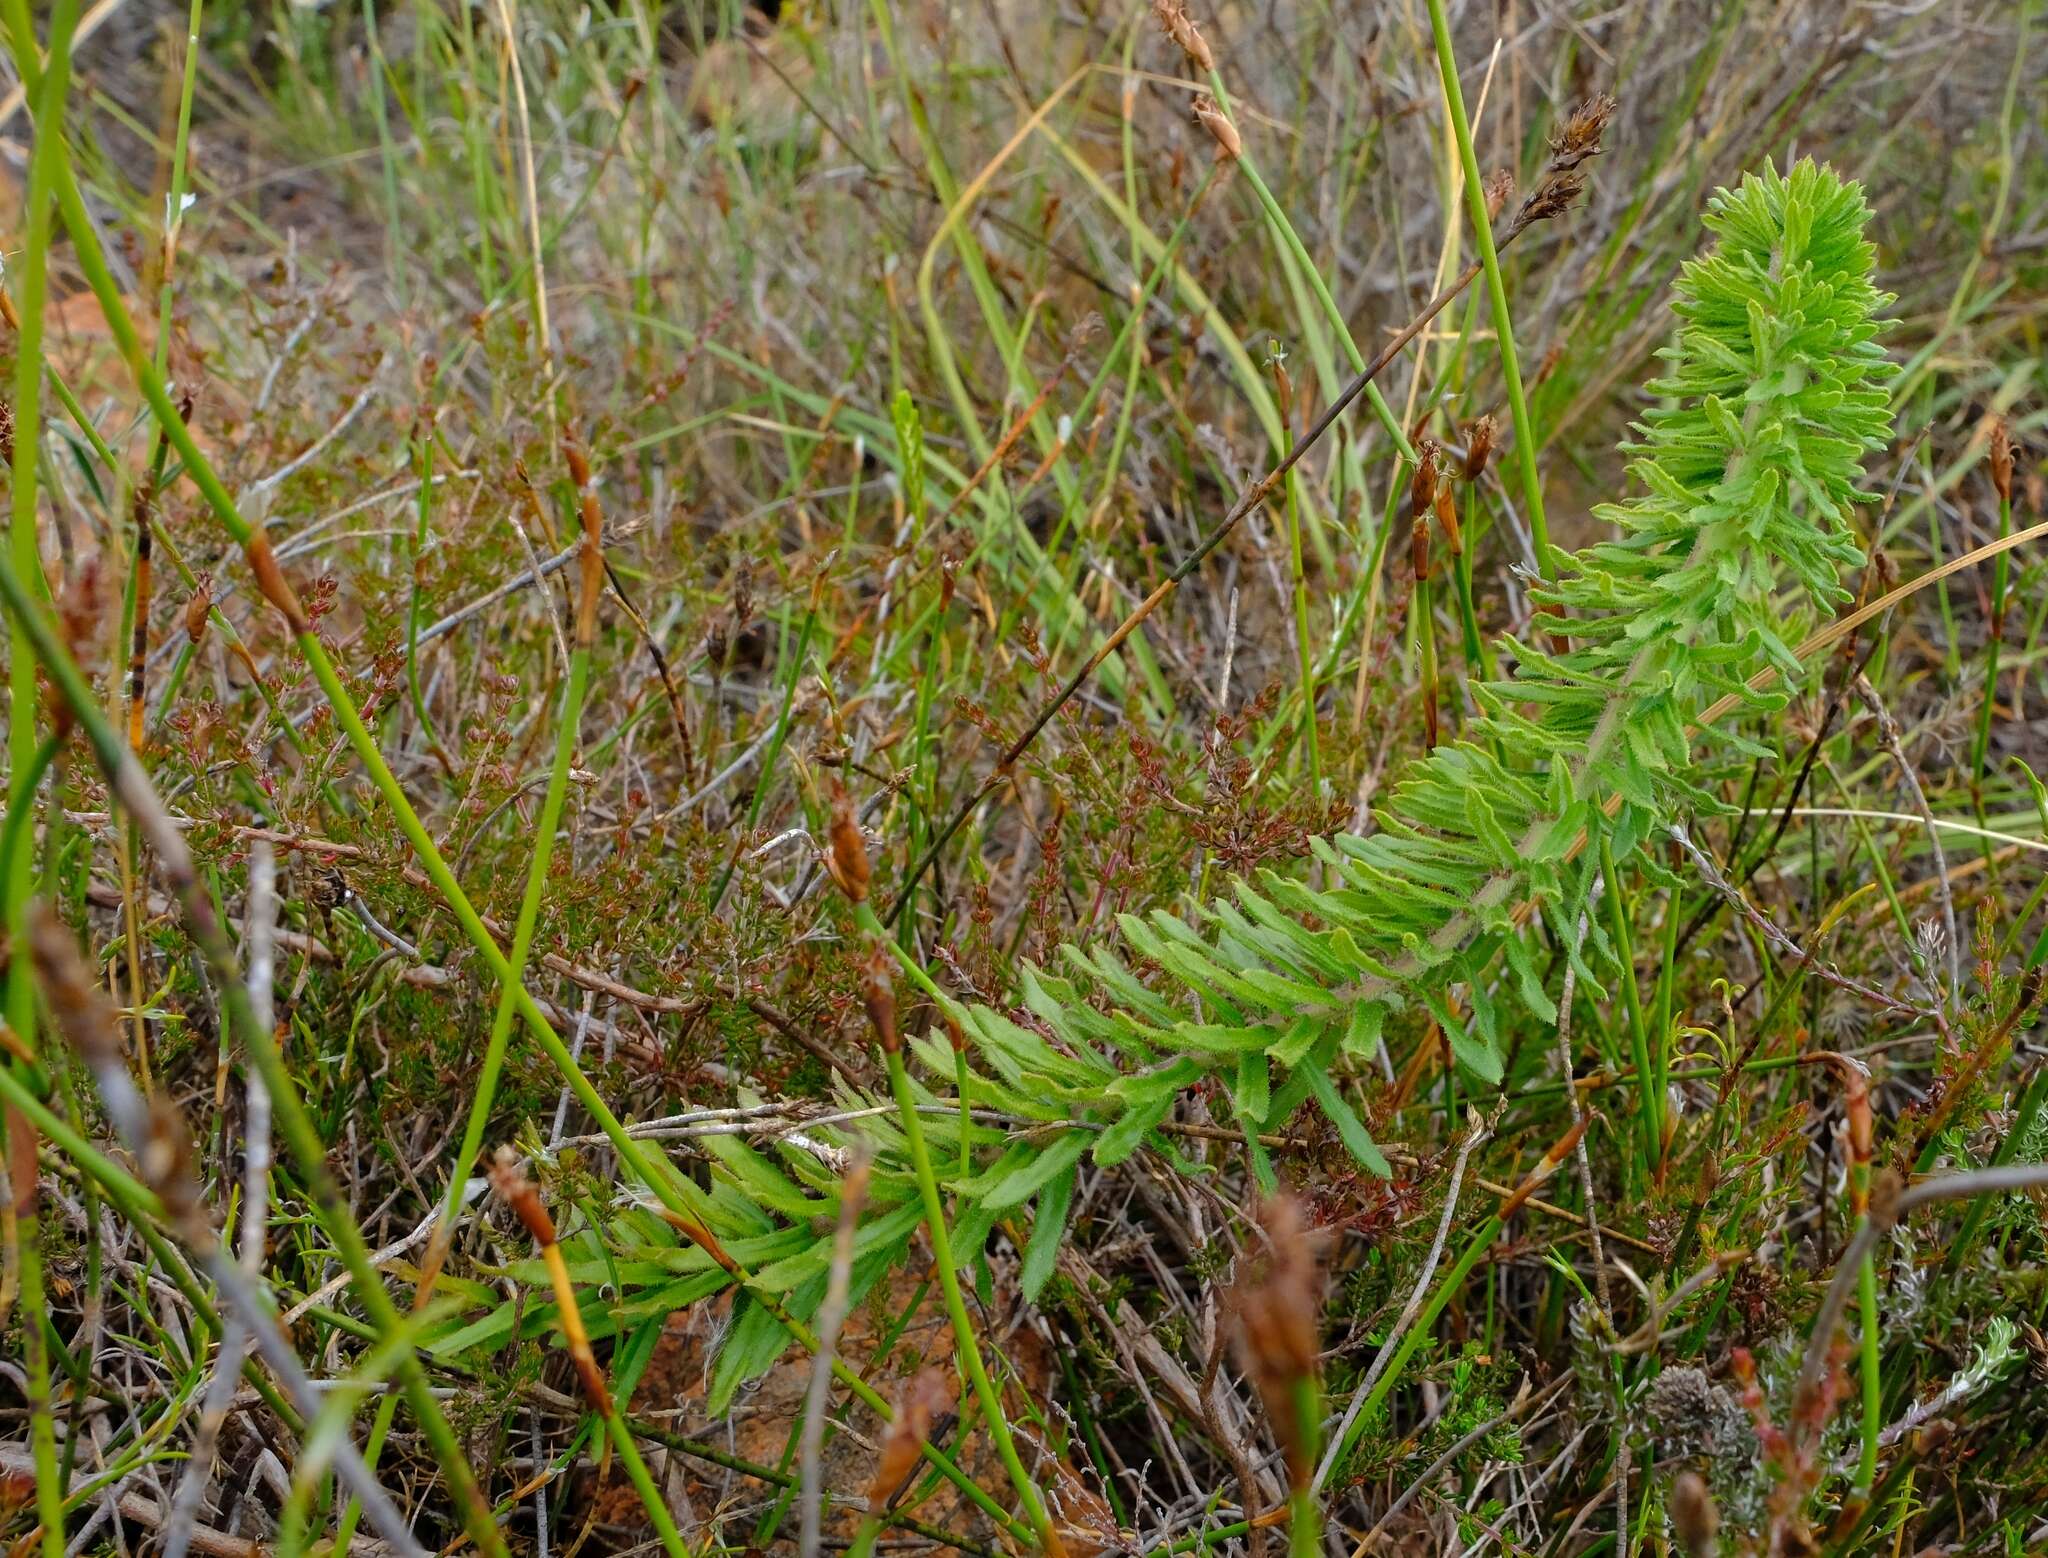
pixel 1418 549
pixel 1283 387
pixel 927 1398
pixel 273 585
pixel 81 1013
pixel 1447 519
pixel 197 607
pixel 2001 460
pixel 1557 194
pixel 1499 189
pixel 1279 1308
pixel 1579 137
pixel 847 855
pixel 1856 1105
pixel 590 558
pixel 1180 27
pixel 166 1164
pixel 1422 495
pixel 81 610
pixel 574 458
pixel 1229 144
pixel 743 593
pixel 1695 1518
pixel 703 1238
pixel 1480 433
pixel 879 992
pixel 22 1138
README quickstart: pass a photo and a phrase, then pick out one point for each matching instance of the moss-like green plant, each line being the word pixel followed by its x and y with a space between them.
pixel 1748 468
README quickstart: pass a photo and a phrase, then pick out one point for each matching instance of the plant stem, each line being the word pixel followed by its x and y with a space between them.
pixel 1480 1242
pixel 1873 1377
pixel 1650 1101
pixel 1301 639
pixel 1497 294
pixel 23 744
pixel 1304 1519
pixel 514 978
pixel 949 1276
pixel 1995 633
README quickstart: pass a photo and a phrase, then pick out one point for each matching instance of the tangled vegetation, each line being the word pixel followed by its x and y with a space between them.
pixel 1127 781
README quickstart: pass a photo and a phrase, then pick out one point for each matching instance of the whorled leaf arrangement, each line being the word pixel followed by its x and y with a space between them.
pixel 1748 467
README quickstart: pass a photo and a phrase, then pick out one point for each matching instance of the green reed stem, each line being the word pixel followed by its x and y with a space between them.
pixel 1992 644
pixel 949 1276
pixel 1873 1375
pixel 23 744
pixel 522 945
pixel 1497 292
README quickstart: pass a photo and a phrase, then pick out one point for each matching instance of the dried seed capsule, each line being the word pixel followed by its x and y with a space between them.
pixel 847 858
pixel 880 995
pixel 1229 145
pixel 197 608
pixel 1180 27
pixel 1480 433
pixel 1278 1313
pixel 1422 495
pixel 927 1399
pixel 1447 519
pixel 2001 460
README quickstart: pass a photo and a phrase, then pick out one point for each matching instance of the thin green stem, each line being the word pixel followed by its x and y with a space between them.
pixel 1301 638
pixel 643 1484
pixel 1425 1322
pixel 514 980
pixel 1873 1376
pixel 1994 635
pixel 1650 1102
pixel 24 747
pixel 1304 1517
pixel 949 1276
pixel 1496 289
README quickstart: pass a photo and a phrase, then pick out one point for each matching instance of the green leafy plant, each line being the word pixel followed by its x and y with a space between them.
pixel 1749 466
